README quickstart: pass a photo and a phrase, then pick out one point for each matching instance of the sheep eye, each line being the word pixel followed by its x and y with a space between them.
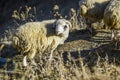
pixel 65 27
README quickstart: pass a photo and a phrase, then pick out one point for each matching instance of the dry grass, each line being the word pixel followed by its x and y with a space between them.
pixel 59 69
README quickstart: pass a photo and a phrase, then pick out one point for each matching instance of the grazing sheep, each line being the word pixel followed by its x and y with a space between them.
pixel 92 10
pixel 39 37
pixel 112 15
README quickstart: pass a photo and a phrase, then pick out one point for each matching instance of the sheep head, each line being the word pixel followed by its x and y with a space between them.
pixel 62 27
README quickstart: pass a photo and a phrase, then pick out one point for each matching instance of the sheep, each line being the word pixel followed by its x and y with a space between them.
pixel 112 15
pixel 39 37
pixel 92 11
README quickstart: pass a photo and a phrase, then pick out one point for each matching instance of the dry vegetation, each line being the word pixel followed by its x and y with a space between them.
pixel 82 57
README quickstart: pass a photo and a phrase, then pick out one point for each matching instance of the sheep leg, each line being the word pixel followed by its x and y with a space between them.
pixel 31 57
pixel 51 55
pixel 25 61
pixel 52 49
pixel 50 59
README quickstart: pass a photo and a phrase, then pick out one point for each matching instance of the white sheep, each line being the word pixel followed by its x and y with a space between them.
pixel 112 15
pixel 39 37
pixel 92 10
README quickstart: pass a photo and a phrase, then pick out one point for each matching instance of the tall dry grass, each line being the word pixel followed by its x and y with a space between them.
pixel 61 69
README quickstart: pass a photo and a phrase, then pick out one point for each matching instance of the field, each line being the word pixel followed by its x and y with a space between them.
pixel 82 57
